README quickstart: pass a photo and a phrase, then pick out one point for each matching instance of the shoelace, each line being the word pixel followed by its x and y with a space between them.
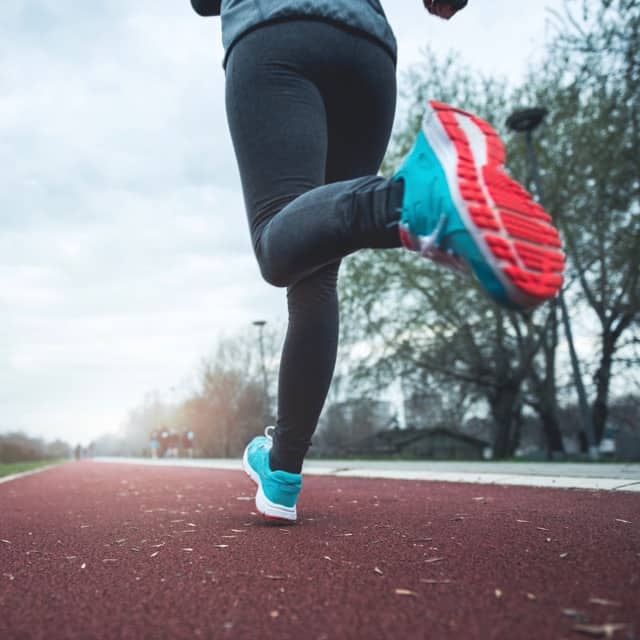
pixel 428 247
pixel 268 432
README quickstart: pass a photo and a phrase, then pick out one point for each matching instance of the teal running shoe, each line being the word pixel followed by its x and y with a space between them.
pixel 277 490
pixel 461 209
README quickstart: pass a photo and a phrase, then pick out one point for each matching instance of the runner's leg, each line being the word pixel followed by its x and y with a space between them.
pixel 310 104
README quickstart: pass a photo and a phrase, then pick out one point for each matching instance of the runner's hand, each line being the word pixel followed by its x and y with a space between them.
pixel 444 8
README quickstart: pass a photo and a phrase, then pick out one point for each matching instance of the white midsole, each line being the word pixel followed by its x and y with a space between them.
pixel 444 149
pixel 263 504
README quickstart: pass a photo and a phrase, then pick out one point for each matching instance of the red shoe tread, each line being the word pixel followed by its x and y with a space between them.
pixel 500 248
pixel 483 217
pixel 524 228
pixel 528 244
pixel 540 259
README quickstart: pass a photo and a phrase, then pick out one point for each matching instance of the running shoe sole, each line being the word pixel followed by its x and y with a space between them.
pixel 264 506
pixel 512 234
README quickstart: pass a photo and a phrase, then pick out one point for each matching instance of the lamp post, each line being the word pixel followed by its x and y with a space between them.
pixel 527 121
pixel 260 324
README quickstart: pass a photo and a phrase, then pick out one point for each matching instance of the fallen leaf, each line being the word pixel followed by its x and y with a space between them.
pixel 270 577
pixel 434 581
pixel 421 539
pixel 121 541
pixel 83 565
pixel 187 549
pixel 274 614
pixel 190 524
pixel 240 530
pixel 542 529
pixel 604 602
pixel 5 541
pixel 607 630
pixel 498 593
pixel 531 596
pixel 432 560
pixel 623 521
pixel 564 555
pixel 580 616
pixel 243 498
pixel 379 571
pixel 221 546
pixel 9 575
pixel 525 521
pixel 326 558
pixel 405 592
pixel 154 554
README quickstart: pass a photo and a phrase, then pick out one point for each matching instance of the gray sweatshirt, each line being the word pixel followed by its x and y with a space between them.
pixel 241 16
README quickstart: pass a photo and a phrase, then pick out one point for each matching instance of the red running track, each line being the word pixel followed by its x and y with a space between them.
pixel 92 550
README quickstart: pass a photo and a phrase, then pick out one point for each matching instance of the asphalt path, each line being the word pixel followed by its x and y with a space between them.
pixel 99 550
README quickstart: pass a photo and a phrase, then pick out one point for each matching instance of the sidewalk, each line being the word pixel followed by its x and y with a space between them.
pixel 596 476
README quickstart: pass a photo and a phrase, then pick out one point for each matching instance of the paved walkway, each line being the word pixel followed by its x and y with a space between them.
pixel 602 476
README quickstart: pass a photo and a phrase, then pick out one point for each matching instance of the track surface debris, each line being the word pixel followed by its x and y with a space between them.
pixel 93 550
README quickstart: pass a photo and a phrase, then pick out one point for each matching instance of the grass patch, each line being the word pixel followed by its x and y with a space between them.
pixel 8 469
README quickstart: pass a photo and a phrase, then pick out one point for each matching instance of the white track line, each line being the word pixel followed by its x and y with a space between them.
pixel 24 474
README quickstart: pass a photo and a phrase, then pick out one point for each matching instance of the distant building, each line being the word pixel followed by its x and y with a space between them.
pixel 627 446
pixel 620 443
pixel 436 444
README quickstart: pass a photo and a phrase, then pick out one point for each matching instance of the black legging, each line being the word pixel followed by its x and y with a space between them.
pixel 310 108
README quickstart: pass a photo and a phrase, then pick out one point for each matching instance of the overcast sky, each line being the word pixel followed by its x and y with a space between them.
pixel 123 243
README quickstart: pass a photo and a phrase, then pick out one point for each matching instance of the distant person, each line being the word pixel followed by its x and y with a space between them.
pixel 187 443
pixel 173 442
pixel 78 452
pixel 154 445
pixel 164 442
pixel 310 99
